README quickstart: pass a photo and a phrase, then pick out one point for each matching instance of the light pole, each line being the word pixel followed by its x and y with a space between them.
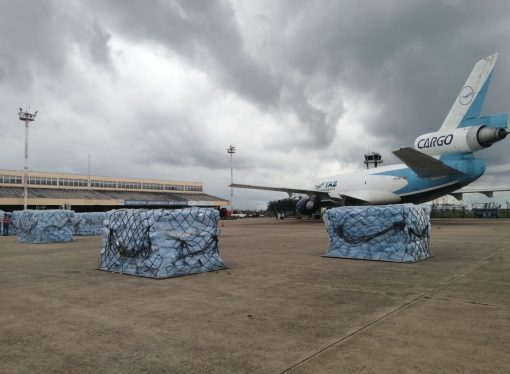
pixel 89 172
pixel 27 117
pixel 231 150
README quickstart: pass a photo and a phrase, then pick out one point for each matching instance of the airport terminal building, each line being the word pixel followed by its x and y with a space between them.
pixel 88 193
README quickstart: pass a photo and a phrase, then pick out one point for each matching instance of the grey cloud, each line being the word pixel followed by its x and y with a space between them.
pixel 97 44
pixel 38 37
pixel 206 33
pixel 29 42
pixel 410 58
pixel 203 32
pixel 174 141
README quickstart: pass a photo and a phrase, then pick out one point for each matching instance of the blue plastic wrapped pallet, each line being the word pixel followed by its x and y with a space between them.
pixel 44 226
pixel 161 243
pixel 397 233
pixel 88 224
pixel 13 227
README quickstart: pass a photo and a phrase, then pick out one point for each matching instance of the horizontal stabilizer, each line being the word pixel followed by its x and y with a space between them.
pixel 423 165
pixel 489 192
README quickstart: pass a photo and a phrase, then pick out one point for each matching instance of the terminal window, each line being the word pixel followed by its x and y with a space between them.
pixel 153 186
pixel 103 184
pixel 42 181
pixel 72 182
pixel 130 185
pixel 11 179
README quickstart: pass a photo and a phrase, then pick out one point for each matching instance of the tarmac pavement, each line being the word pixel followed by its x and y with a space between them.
pixel 279 307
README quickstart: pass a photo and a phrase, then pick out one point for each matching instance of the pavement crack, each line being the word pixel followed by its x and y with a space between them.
pixel 462 301
pixel 426 294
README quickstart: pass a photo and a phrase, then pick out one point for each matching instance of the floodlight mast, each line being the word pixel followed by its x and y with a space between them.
pixel 27 117
pixel 90 185
pixel 231 150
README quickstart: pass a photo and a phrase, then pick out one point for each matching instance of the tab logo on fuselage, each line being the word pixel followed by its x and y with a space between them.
pixel 324 185
pixel 435 141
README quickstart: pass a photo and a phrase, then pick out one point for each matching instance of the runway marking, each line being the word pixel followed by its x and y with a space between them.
pixel 475 266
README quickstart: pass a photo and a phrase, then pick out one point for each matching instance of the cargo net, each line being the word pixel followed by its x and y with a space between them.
pixel 44 226
pixel 88 224
pixel 161 243
pixel 397 233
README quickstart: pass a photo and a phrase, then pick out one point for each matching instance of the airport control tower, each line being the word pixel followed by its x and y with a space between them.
pixel 372 159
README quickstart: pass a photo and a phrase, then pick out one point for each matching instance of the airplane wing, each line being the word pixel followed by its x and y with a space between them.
pixel 324 195
pixel 423 165
pixel 290 191
pixel 484 191
pixel 355 197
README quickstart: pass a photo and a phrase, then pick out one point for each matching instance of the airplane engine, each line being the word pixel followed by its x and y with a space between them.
pixel 459 140
pixel 307 206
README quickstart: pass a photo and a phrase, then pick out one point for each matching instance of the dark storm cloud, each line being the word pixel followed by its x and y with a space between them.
pixel 307 63
pixel 411 58
pixel 30 34
pixel 203 32
pixel 206 33
pixel 38 37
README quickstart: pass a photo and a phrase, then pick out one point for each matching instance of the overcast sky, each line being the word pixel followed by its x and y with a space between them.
pixel 160 89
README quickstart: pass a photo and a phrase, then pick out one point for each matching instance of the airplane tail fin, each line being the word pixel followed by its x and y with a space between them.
pixel 468 104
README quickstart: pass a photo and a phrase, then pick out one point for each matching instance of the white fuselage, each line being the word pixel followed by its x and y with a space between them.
pixel 398 183
pixel 366 185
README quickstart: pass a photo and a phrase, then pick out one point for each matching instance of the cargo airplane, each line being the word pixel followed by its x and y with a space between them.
pixel 440 163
